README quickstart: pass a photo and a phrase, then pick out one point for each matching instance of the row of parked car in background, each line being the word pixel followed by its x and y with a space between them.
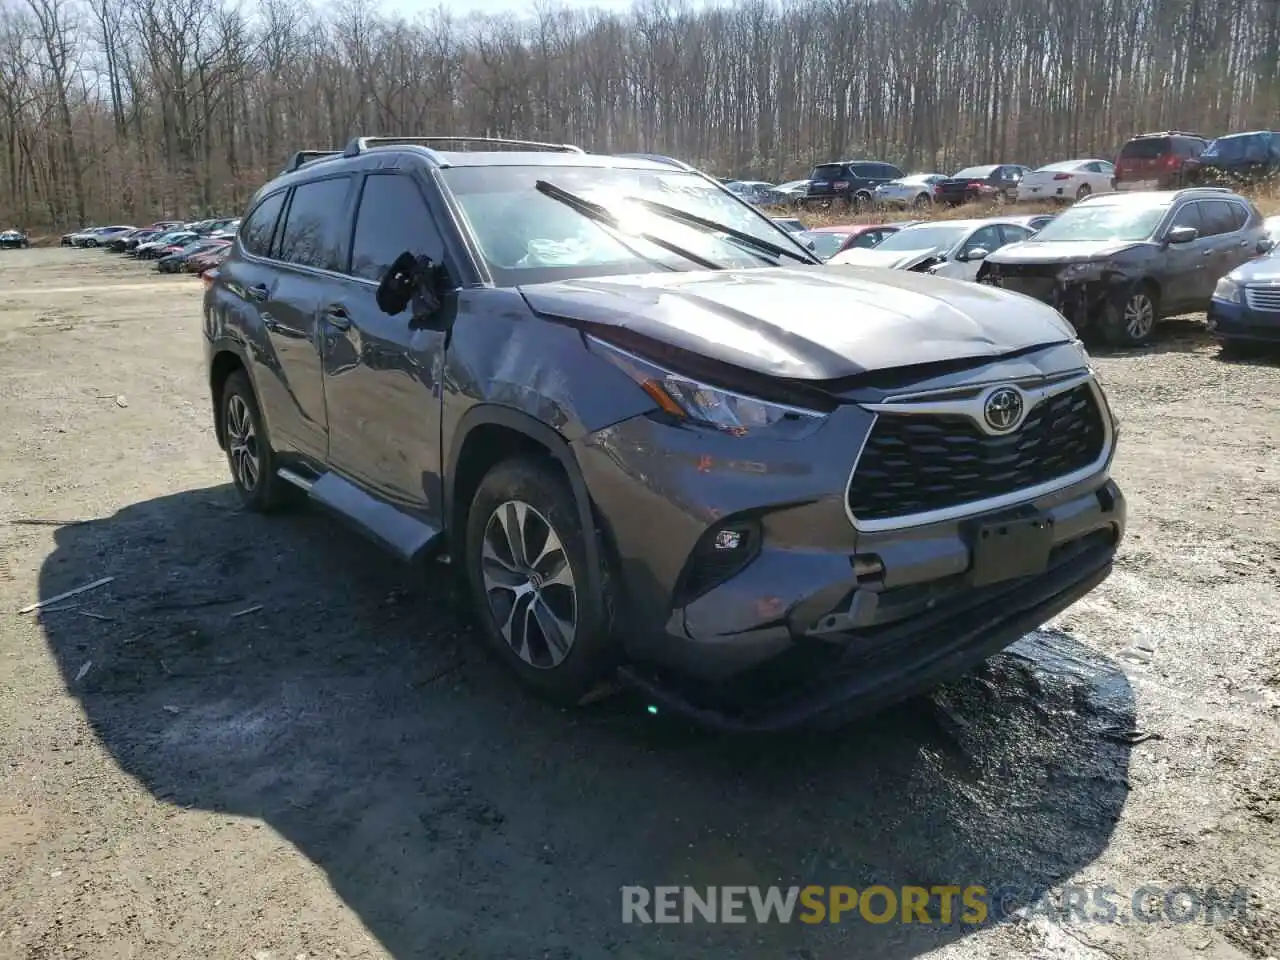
pixel 1151 161
pixel 1113 264
pixel 176 246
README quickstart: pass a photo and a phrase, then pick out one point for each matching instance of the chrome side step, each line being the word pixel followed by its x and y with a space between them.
pixel 296 479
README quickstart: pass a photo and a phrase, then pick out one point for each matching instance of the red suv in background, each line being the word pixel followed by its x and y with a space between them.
pixel 1158 161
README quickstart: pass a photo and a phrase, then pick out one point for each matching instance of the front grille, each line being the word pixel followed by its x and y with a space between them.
pixel 1039 281
pixel 1263 298
pixel 917 463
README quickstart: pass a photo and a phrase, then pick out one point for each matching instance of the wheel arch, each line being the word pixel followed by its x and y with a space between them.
pixel 486 435
pixel 226 360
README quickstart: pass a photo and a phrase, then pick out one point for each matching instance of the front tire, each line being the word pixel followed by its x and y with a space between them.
pixel 923 202
pixel 249 453
pixel 91 243
pixel 526 562
pixel 1129 319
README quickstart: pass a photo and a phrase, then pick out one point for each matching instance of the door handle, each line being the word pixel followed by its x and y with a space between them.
pixel 258 292
pixel 336 316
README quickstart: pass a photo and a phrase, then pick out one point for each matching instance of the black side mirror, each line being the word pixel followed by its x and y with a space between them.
pixel 1182 235
pixel 411 279
pixel 1266 245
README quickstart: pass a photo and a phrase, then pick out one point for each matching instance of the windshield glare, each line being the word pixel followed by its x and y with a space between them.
pixel 525 236
pixel 933 237
pixel 1118 221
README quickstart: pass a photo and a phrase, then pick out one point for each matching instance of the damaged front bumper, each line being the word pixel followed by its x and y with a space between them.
pixel 821 620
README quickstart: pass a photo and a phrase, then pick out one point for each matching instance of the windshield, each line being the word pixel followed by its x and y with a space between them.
pixel 1238 148
pixel 931 237
pixel 974 173
pixel 526 236
pixel 1115 221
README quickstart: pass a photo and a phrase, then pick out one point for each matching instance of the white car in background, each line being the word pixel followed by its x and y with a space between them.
pixel 944 248
pixel 1069 181
pixel 792 189
pixel 1272 226
pixel 914 190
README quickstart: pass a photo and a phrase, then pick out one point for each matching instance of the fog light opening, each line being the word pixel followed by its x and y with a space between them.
pixel 867 568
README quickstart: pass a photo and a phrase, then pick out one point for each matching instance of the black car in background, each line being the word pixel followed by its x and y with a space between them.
pixel 13 239
pixel 993 182
pixel 1238 158
pixel 1116 263
pixel 849 182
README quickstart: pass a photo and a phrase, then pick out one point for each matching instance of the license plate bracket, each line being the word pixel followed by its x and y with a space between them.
pixel 1010 548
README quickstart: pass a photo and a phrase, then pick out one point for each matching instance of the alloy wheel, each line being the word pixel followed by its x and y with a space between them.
pixel 529 584
pixel 1139 316
pixel 242 443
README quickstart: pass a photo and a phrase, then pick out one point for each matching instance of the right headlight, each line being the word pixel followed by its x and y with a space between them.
pixel 1228 290
pixel 688 399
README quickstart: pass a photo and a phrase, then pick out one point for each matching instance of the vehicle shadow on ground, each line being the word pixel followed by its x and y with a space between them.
pixel 1174 335
pixel 457 816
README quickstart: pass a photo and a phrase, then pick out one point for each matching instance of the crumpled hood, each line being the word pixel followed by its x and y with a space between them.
pixel 1060 251
pixel 889 259
pixel 807 323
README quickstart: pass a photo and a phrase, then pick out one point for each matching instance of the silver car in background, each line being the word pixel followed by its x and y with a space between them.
pixel 915 190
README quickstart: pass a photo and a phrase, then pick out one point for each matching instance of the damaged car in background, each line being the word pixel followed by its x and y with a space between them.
pixel 945 248
pixel 1115 264
pixel 658 440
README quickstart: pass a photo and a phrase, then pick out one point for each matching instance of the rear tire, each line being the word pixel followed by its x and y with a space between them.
pixel 526 563
pixel 923 202
pixel 249 454
pixel 1129 318
pixel 1084 191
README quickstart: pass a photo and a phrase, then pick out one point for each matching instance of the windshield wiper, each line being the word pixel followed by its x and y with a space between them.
pixel 711 226
pixel 601 215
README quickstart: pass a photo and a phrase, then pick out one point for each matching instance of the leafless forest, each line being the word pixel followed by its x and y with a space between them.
pixel 129 109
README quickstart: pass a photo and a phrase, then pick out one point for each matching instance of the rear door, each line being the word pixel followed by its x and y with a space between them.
pixel 382 373
pixel 309 246
pixel 1236 245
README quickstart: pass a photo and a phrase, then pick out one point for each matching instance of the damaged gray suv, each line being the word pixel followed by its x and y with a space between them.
pixel 662 443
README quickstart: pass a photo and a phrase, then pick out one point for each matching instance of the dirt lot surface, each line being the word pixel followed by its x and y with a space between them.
pixel 339 772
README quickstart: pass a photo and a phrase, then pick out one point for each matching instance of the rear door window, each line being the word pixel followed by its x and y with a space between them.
pixel 314 226
pixel 1217 217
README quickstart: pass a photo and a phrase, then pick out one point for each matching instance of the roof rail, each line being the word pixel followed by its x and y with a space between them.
pixel 359 145
pixel 655 158
pixel 306 156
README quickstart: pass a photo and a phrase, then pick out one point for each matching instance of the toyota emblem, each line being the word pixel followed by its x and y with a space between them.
pixel 1003 409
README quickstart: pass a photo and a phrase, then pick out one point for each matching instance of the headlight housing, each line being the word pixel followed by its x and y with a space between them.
pixel 1081 271
pixel 687 399
pixel 1228 290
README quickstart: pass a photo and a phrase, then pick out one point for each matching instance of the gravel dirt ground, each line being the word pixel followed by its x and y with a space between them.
pixel 264 739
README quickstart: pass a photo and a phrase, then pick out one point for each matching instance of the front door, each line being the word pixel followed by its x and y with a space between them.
pixel 1186 265
pixel 382 376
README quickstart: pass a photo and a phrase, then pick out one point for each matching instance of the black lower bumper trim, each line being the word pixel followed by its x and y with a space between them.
pixel 974 636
